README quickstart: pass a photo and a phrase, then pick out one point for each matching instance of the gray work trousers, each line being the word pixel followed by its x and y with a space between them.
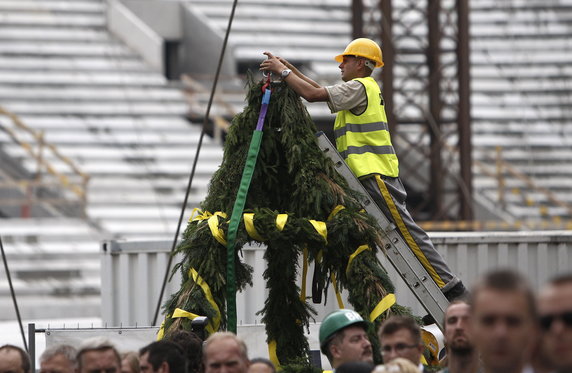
pixel 389 194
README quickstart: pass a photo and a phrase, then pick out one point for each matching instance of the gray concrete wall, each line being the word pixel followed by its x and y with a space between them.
pixel 163 17
pixel 201 46
pixel 139 36
pixel 146 25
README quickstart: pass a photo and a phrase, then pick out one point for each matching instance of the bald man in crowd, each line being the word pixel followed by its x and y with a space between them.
pixel 224 352
pixel 13 359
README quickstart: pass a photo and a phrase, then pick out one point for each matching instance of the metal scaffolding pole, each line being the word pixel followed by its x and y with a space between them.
pixel 433 120
pixel 357 19
pixel 464 113
pixel 426 84
pixel 387 77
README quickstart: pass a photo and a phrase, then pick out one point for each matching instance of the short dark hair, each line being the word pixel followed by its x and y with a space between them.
pixel 192 347
pixel 166 351
pixel 335 338
pixel 396 323
pixel 561 279
pixel 263 360
pixel 505 280
pixel 26 366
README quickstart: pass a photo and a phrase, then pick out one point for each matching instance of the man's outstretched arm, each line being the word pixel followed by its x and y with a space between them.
pixel 296 80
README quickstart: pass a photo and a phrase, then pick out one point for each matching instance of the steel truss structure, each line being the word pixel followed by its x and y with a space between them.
pixel 426 87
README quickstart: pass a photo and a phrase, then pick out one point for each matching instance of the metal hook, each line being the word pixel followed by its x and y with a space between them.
pixel 268 81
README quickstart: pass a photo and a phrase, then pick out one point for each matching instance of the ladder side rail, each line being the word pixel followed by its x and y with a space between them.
pixel 396 249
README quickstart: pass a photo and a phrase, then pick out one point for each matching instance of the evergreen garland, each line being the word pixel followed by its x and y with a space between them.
pixel 292 177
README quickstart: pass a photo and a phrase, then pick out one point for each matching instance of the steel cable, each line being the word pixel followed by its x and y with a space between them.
pixel 191 176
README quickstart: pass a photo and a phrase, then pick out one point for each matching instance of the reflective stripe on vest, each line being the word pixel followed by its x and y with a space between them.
pixel 363 140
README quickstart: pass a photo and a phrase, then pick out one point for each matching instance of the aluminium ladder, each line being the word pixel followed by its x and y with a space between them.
pixel 397 251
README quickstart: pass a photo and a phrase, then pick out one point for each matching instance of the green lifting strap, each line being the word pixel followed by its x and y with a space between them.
pixel 237 211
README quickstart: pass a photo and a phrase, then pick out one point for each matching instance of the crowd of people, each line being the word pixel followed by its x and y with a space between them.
pixel 502 327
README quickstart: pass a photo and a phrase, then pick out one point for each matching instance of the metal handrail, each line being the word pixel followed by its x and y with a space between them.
pixel 79 189
pixel 221 125
pixel 502 164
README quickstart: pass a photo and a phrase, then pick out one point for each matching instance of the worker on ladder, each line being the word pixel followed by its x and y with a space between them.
pixel 363 140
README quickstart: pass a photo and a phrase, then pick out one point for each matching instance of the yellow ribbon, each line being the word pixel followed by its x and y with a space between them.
pixel 405 232
pixel 338 295
pixel 207 290
pixel 382 306
pixel 250 228
pixel 319 256
pixel 272 353
pixel 304 274
pixel 179 312
pixel 217 233
pixel 281 220
pixel 191 316
pixel 200 214
pixel 356 253
pixel 161 332
pixel 335 211
pixel 320 227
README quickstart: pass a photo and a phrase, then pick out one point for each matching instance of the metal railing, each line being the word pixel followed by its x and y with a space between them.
pixel 46 175
pixel 129 265
pixel 504 168
pixel 221 125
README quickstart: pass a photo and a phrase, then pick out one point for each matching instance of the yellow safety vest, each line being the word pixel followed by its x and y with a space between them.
pixel 363 140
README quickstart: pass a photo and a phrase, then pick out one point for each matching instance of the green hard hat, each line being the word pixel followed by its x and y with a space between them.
pixel 336 321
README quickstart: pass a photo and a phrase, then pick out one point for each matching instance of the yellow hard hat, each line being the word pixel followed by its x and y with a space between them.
pixel 363 47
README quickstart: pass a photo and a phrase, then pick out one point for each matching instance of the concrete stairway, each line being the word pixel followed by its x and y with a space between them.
pixel 62 72
pixel 54 265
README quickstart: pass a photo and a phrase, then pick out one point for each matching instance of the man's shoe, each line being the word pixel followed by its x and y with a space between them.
pixel 459 291
pixel 428 320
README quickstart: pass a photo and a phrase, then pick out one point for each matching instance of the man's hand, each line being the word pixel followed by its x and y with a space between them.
pixel 286 63
pixel 304 86
pixel 272 64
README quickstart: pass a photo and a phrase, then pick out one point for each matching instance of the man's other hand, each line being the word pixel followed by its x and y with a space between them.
pixel 272 64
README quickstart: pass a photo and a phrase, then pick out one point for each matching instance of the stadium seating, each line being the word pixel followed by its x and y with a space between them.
pixel 62 72
pixel 122 123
